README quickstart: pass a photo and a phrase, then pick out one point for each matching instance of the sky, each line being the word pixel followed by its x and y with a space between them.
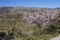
pixel 31 3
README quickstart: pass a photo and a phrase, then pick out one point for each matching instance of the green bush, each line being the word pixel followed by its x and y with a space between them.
pixel 50 29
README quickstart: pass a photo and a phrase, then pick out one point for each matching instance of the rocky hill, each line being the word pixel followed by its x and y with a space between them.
pixel 29 23
pixel 40 16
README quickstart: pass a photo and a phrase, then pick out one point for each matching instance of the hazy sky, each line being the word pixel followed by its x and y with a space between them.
pixel 31 3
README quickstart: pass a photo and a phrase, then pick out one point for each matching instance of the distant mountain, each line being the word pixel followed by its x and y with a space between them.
pixel 5 9
pixel 24 9
pixel 58 8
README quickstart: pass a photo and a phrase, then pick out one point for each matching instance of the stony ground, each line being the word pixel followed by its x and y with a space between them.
pixel 56 38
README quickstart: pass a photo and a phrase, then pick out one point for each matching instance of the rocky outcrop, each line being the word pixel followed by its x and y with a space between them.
pixel 43 19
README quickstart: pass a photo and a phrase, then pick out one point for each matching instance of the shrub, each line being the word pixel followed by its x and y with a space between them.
pixel 50 29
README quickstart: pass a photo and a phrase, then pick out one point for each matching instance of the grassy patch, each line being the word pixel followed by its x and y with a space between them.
pixel 28 33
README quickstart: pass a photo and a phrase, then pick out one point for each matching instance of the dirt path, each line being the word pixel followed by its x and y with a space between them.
pixel 56 38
